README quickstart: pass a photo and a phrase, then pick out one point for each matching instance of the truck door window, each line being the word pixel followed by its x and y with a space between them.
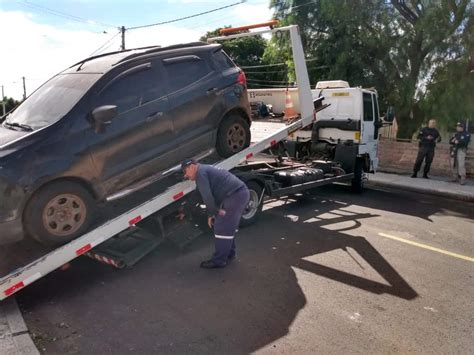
pixel 376 108
pixel 132 90
pixel 184 71
pixel 377 119
pixel 368 109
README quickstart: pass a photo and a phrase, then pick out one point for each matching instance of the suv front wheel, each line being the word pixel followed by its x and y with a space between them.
pixel 233 135
pixel 59 213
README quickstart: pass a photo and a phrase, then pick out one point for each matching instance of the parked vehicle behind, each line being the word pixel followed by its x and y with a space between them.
pixel 111 121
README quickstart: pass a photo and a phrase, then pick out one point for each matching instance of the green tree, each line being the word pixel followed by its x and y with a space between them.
pixel 10 104
pixel 249 53
pixel 396 46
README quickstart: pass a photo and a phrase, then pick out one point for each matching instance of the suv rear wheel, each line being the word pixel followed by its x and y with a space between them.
pixel 233 135
pixel 59 213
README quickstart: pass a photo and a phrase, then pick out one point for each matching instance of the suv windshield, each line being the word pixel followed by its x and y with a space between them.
pixel 52 100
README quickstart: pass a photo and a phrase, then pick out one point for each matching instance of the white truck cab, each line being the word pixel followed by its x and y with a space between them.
pixel 357 111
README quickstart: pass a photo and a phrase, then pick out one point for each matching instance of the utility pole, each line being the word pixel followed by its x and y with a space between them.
pixel 24 89
pixel 3 102
pixel 122 30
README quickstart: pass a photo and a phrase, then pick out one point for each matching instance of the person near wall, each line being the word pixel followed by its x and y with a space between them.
pixel 428 137
pixel 459 143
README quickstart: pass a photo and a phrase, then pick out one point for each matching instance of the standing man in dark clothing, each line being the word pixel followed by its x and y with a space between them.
pixel 226 198
pixel 428 137
pixel 459 143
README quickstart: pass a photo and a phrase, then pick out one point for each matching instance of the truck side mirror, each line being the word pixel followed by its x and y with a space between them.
pixel 390 116
pixel 318 103
pixel 103 115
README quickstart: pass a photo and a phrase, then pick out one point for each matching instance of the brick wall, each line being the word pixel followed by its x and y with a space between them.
pixel 399 157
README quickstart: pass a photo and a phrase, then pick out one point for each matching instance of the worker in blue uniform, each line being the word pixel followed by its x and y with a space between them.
pixel 226 198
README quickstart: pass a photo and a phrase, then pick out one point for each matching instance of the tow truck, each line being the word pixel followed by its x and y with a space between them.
pixel 124 240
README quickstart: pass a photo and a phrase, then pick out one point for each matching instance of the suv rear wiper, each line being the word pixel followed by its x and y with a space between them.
pixel 24 127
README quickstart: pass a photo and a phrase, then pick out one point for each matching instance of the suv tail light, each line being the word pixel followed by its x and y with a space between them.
pixel 241 79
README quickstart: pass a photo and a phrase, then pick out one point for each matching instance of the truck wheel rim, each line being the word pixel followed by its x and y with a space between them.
pixel 252 206
pixel 236 137
pixel 64 215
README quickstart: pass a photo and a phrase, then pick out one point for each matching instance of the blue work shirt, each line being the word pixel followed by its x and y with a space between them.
pixel 215 185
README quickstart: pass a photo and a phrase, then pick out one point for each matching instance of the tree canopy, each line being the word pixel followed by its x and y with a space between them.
pixel 251 53
pixel 10 104
pixel 408 49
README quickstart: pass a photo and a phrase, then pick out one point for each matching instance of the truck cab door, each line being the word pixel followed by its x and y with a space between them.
pixel 369 128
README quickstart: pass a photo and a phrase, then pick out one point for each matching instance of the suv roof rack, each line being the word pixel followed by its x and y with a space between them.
pixel 109 53
pixel 149 49
pixel 163 49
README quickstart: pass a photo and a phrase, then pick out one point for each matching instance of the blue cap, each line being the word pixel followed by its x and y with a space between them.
pixel 187 162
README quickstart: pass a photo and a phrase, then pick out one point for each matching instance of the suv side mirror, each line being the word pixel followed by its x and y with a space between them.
pixel 389 117
pixel 104 114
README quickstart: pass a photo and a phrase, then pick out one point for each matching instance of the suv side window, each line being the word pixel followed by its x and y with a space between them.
pixel 133 88
pixel 184 71
pixel 368 109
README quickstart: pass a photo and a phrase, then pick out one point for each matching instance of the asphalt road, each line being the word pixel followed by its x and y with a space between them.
pixel 328 273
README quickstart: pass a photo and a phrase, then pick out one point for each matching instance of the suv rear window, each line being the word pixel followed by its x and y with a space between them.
pixel 222 60
pixel 184 71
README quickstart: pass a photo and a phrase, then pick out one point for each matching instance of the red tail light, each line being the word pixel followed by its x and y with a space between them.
pixel 242 80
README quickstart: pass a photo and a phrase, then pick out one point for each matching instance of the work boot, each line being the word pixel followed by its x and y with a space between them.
pixel 414 175
pixel 462 181
pixel 209 264
pixel 425 176
pixel 231 257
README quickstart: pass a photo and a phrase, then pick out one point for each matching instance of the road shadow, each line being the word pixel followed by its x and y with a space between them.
pixel 396 201
pixel 166 304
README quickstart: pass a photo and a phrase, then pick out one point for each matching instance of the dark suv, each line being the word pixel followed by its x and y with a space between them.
pixel 109 122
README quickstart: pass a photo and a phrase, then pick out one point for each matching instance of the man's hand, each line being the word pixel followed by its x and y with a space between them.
pixel 430 137
pixel 210 221
pixel 221 212
pixel 456 141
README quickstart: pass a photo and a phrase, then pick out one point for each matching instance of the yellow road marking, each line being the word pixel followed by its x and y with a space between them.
pixel 428 247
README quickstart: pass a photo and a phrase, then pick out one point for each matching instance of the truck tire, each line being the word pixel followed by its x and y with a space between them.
pixel 254 208
pixel 358 179
pixel 59 213
pixel 233 135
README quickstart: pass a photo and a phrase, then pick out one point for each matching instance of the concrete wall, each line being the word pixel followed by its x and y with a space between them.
pixel 399 157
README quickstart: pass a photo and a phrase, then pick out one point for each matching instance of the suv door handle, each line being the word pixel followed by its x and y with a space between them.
pixel 154 116
pixel 212 91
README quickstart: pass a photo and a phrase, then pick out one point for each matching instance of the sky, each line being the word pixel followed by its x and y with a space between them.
pixel 40 38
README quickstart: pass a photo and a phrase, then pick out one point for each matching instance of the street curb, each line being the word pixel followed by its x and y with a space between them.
pixel 447 194
pixel 18 332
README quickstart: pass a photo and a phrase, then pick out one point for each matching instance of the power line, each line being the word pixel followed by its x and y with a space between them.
pixel 63 14
pixel 265 72
pixel 187 17
pixel 263 65
pixel 294 7
pixel 271 86
pixel 270 81
pixel 103 45
pixel 201 24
